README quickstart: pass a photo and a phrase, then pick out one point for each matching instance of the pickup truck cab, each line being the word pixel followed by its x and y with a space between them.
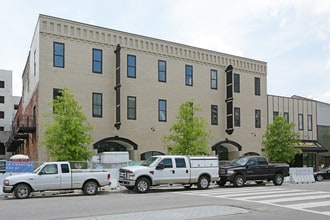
pixel 56 176
pixel 255 168
pixel 169 169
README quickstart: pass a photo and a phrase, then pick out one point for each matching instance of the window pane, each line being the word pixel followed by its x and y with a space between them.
pixel 131 107
pixel 214 79
pixel 97 105
pixel 189 75
pixel 236 83
pixel 310 122
pixel 257 86
pixel 214 114
pixel 162 110
pixel 161 71
pixel 58 56
pixel 97 61
pixel 257 118
pixel 300 122
pixel 237 117
pixel 131 66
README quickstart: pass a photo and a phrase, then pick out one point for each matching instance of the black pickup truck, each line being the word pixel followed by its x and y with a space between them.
pixel 252 168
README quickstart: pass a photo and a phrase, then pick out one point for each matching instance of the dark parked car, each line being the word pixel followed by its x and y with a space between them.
pixel 322 174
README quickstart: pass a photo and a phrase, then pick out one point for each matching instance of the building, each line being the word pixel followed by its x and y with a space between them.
pixel 8 107
pixel 131 86
pixel 311 119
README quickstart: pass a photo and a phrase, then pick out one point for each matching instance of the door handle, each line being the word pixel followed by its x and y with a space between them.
pixel 173 171
pixel 187 171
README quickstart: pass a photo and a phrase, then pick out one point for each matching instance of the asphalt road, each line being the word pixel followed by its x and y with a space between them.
pixel 289 201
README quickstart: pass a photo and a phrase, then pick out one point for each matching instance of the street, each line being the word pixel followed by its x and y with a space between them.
pixel 289 201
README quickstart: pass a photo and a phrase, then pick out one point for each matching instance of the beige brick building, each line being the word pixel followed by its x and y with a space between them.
pixel 131 86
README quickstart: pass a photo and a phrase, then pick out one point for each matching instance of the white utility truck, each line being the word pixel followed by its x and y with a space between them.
pixel 56 176
pixel 169 169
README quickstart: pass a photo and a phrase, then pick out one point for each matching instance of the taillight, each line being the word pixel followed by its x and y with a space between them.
pixel 108 176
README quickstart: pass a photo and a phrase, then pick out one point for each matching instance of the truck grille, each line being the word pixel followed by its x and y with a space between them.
pixel 122 175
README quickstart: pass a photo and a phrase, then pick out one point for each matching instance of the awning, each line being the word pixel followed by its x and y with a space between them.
pixel 311 146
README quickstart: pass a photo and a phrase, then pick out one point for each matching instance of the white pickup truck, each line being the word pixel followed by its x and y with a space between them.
pixel 56 176
pixel 168 169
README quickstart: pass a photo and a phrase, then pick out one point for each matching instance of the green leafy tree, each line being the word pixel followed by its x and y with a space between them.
pixel 188 135
pixel 280 140
pixel 69 135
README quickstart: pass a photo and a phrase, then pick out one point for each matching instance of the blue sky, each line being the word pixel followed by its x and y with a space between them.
pixel 292 36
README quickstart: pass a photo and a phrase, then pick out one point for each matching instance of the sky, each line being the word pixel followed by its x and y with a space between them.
pixel 292 36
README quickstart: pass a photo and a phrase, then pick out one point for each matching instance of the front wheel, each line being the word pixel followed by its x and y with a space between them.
pixel 278 179
pixel 142 185
pixel 319 177
pixel 203 182
pixel 22 191
pixel 239 181
pixel 90 188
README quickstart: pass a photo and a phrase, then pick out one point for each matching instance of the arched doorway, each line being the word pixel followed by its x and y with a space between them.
pixel 227 149
pixel 116 143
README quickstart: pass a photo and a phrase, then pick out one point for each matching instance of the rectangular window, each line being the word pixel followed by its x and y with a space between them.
pixel 131 66
pixel 286 116
pixel 2 114
pixel 189 75
pixel 2 84
pixel 161 71
pixel 214 79
pixel 180 163
pixel 97 105
pixel 131 107
pixel 97 61
pixel 58 55
pixel 214 115
pixel 237 117
pixel 237 83
pixel 162 108
pixel 258 118
pixel 310 122
pixel 256 85
pixel 275 114
pixel 2 99
pixel 300 122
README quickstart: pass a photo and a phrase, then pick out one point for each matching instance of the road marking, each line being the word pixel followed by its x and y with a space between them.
pixel 304 200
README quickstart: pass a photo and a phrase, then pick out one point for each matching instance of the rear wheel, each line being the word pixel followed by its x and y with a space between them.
pixel 319 177
pixel 142 185
pixel 278 179
pixel 239 181
pixel 22 191
pixel 203 182
pixel 90 188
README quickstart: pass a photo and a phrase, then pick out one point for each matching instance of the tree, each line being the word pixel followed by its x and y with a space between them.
pixel 189 135
pixel 68 136
pixel 280 141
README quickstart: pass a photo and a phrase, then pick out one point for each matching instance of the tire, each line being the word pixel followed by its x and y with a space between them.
pixel 278 179
pixel 239 181
pixel 22 191
pixel 319 177
pixel 221 182
pixel 203 182
pixel 142 185
pixel 90 188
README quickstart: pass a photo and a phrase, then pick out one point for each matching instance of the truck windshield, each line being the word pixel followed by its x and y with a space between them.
pixel 239 161
pixel 150 162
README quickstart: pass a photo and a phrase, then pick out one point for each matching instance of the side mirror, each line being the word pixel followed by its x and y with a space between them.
pixel 41 172
pixel 160 166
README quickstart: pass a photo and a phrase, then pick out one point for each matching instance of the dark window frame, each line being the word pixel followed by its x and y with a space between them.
pixel 257 86
pixel 58 56
pixel 237 83
pixel 2 99
pixel 2 84
pixel 131 67
pixel 131 109
pixel 97 62
pixel 2 114
pixel 189 75
pixel 162 73
pixel 257 118
pixel 300 122
pixel 214 115
pixel 237 117
pixel 162 111
pixel 286 116
pixel 214 79
pixel 97 108
pixel 310 122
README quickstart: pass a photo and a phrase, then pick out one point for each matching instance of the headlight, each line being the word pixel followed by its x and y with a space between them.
pixel 230 171
pixel 6 182
pixel 131 176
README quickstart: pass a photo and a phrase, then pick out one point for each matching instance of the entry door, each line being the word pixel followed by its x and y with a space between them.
pixel 166 175
pixel 48 178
